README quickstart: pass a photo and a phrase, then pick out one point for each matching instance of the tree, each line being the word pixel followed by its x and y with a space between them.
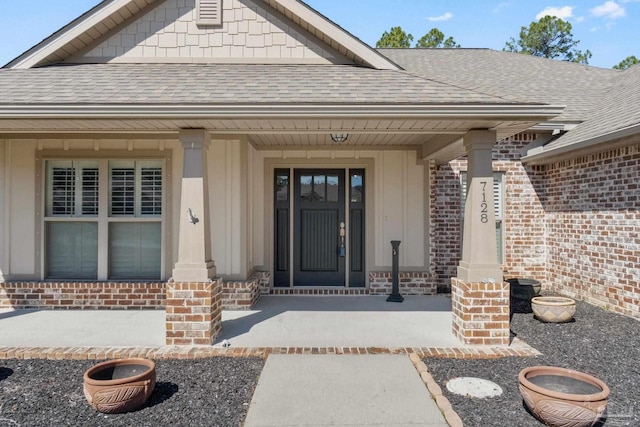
pixel 549 37
pixel 627 62
pixel 395 38
pixel 435 39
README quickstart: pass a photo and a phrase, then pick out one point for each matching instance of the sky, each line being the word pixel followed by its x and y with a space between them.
pixel 610 29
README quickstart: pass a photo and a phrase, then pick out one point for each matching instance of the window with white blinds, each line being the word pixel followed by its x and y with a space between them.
pixel 135 188
pixel 131 219
pixel 72 188
pixel 498 197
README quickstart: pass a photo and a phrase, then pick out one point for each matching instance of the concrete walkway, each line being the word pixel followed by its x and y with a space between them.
pixel 330 390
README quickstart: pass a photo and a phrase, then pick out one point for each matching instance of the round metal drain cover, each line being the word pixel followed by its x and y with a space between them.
pixel 474 387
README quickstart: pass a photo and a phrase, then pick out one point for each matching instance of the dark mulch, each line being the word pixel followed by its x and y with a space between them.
pixel 201 392
pixel 598 342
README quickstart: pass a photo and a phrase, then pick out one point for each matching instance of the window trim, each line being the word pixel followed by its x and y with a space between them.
pixel 103 158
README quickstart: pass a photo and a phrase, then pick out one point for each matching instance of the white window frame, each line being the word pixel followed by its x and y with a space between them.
pixel 499 199
pixel 104 219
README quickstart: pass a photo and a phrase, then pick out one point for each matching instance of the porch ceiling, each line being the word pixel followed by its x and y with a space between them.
pixel 273 132
pixel 438 139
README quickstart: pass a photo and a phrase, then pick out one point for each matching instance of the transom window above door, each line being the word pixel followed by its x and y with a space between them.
pixel 319 188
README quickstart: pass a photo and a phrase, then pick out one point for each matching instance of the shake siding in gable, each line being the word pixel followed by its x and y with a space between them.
pixel 248 31
pixel 209 12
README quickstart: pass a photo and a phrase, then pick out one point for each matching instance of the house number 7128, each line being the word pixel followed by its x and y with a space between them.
pixel 484 215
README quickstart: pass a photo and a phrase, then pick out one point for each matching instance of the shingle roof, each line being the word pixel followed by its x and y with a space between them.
pixel 113 84
pixel 513 76
pixel 618 110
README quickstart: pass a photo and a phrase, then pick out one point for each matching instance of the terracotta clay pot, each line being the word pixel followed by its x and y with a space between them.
pixel 553 309
pixel 562 397
pixel 117 386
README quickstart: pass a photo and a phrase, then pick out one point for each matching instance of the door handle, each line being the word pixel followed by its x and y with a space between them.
pixel 342 251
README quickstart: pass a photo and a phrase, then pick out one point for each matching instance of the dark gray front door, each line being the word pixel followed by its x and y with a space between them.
pixel 319 217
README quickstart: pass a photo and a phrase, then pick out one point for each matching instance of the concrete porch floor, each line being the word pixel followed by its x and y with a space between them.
pixel 276 321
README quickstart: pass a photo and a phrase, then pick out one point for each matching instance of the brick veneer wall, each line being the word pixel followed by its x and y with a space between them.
pixel 525 247
pixel 409 283
pixel 592 209
pixel 574 224
pixel 445 221
pixel 82 295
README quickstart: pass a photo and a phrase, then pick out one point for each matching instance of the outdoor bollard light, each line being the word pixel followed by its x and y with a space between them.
pixel 395 292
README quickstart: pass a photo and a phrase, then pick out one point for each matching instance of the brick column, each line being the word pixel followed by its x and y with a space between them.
pixel 480 312
pixel 194 312
pixel 194 296
pixel 480 298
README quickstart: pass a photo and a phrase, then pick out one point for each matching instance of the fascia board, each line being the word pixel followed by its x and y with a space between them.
pixel 42 50
pixel 448 112
pixel 350 42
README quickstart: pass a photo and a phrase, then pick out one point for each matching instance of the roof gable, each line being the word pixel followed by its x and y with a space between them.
pixel 252 31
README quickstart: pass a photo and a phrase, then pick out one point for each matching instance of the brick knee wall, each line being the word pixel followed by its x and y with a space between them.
pixel 82 295
pixel 480 312
pixel 241 295
pixel 410 283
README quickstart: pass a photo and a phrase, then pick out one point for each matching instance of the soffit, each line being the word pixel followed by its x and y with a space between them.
pixel 269 133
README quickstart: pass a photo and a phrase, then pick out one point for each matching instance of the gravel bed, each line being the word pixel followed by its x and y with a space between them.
pixel 599 342
pixel 200 392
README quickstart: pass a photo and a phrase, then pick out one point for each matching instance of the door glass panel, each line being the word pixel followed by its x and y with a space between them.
pixel 319 190
pixel 306 187
pixel 332 188
pixel 282 188
pixel 356 188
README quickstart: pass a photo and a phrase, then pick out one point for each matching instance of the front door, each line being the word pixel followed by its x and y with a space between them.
pixel 319 227
pixel 321 247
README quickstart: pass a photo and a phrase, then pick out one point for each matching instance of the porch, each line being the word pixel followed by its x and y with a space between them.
pixel 275 321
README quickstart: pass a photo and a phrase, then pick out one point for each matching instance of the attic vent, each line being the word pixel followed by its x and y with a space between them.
pixel 209 12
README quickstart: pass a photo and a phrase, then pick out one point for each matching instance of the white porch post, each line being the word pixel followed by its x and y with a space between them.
pixel 479 254
pixel 480 298
pixel 194 297
pixel 194 240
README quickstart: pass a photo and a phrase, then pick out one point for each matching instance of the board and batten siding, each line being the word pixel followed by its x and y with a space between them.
pixel 395 196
